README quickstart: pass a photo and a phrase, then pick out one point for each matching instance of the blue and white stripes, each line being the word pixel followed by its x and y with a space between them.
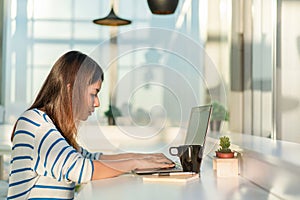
pixel 43 164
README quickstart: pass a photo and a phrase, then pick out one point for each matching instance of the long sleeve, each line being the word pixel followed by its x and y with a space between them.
pixel 56 158
pixel 87 154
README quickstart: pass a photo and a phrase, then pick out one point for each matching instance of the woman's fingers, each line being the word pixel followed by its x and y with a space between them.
pixel 159 163
pixel 162 158
pixel 154 160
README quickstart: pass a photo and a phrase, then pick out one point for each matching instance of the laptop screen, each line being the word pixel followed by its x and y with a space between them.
pixel 196 133
pixel 198 124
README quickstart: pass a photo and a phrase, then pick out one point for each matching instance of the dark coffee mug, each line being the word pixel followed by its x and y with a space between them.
pixel 190 156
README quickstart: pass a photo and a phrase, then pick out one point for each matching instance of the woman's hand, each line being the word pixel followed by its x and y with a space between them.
pixel 153 161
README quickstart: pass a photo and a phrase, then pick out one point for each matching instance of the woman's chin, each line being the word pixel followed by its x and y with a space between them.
pixel 84 118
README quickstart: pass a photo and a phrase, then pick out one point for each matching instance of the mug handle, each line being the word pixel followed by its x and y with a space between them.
pixel 200 154
pixel 172 148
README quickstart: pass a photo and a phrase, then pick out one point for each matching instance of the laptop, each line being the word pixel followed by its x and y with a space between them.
pixel 196 134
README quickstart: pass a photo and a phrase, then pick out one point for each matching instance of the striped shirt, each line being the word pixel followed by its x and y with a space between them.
pixel 43 164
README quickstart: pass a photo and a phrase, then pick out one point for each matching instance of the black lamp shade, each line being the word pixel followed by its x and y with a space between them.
pixel 162 7
pixel 112 20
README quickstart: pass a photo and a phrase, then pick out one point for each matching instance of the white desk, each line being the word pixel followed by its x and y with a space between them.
pixel 265 164
pixel 207 187
pixel 5 144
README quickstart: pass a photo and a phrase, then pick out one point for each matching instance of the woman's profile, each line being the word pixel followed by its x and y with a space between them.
pixel 46 160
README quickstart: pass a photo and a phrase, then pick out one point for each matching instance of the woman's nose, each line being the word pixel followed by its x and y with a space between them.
pixel 96 102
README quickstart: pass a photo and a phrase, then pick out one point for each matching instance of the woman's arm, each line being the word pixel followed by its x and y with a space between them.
pixel 108 169
pixel 112 168
pixel 132 156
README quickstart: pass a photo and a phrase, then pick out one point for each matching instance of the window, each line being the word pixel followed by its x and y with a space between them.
pixel 38 32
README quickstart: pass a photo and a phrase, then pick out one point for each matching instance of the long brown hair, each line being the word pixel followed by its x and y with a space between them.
pixel 63 91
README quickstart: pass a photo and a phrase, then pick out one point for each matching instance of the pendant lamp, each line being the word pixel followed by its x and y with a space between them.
pixel 112 20
pixel 162 7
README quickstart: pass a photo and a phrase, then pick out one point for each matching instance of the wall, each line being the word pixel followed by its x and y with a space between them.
pixel 288 74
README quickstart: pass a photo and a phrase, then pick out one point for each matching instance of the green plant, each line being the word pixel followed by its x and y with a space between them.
pixel 113 112
pixel 224 145
pixel 219 113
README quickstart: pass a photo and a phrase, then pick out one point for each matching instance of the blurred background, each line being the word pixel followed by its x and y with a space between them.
pixel 252 48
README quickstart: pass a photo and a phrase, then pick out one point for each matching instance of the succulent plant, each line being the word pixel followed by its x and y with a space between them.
pixel 224 145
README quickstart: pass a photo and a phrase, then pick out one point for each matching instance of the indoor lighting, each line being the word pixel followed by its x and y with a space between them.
pixel 112 20
pixel 162 7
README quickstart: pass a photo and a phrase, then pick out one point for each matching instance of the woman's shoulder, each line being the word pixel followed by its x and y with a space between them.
pixel 35 118
pixel 32 124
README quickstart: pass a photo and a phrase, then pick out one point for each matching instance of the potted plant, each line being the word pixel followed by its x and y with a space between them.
pixel 219 114
pixel 111 114
pixel 224 151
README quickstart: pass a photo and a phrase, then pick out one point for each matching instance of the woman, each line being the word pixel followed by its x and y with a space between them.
pixel 46 160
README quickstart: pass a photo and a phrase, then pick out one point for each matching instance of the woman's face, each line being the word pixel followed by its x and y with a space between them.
pixel 91 99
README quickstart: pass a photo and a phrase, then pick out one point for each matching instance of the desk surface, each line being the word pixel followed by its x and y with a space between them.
pixel 209 186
